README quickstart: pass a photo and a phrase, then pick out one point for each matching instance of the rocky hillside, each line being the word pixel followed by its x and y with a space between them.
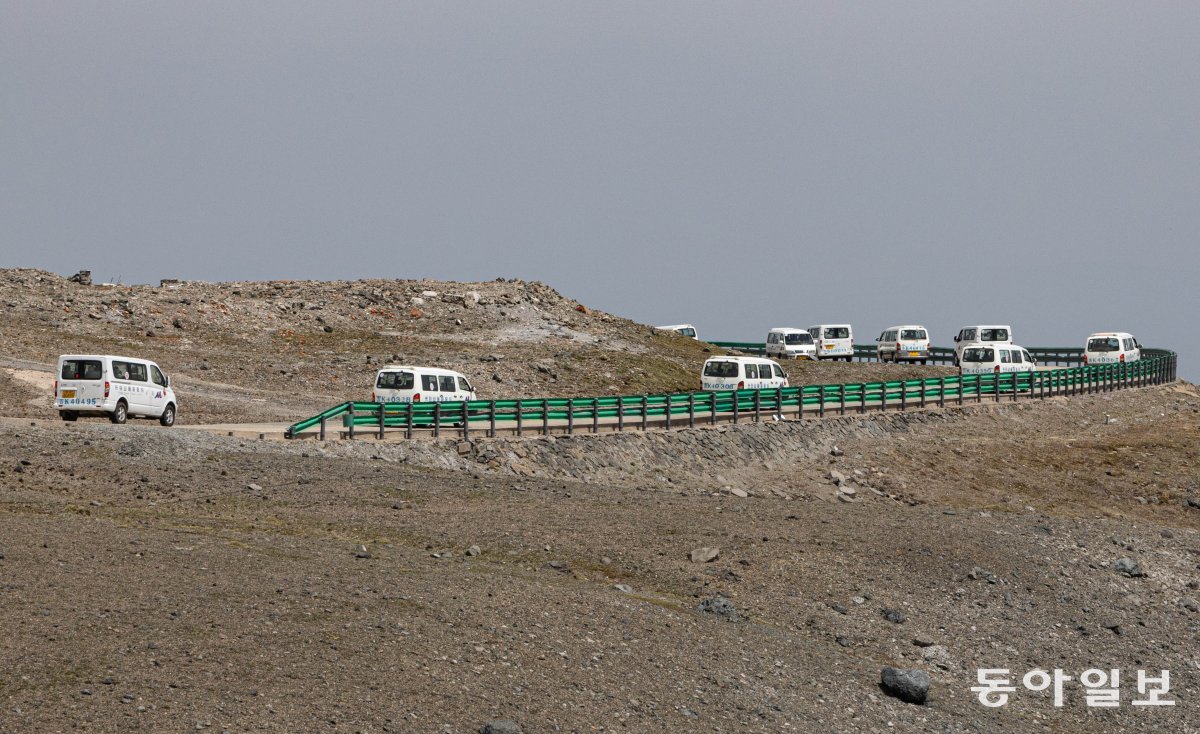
pixel 281 350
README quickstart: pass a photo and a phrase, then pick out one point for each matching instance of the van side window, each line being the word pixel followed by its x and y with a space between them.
pixel 1004 357
pixel 120 370
pixel 1016 356
pixel 447 383
pixel 969 335
pixel 137 371
pixel 778 370
pixel 751 372
pixel 156 376
pixel 429 382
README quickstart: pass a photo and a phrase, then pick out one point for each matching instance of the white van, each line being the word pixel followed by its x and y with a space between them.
pixel 407 384
pixel 988 334
pixel 1110 347
pixel 684 329
pixel 981 358
pixel 785 343
pixel 834 341
pixel 742 373
pixel 903 343
pixel 119 387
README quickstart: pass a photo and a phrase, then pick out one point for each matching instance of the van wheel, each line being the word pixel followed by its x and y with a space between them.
pixel 167 418
pixel 68 415
pixel 120 414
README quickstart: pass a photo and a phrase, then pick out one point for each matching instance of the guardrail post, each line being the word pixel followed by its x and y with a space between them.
pixel 758 406
pixel 862 398
pixel 381 421
pixel 996 385
pixel 800 403
pixel 842 399
pixel 924 392
pixel 668 411
pixel 821 401
pixel 737 409
pixel 712 408
pixel 570 416
pixel 322 434
pixel 1017 385
pixel 466 419
pixel 620 414
pixel 942 392
pixel 904 395
pixel 691 408
pixel 595 415
pixel 978 388
pixel 492 418
pixel 645 416
pixel 351 420
pixel 408 423
pixel 520 417
pixel 437 420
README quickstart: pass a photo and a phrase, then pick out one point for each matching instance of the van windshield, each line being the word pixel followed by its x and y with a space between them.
pixel 1104 344
pixel 82 369
pixel 395 381
pixel 994 335
pixel 978 354
pixel 837 332
pixel 801 338
pixel 913 334
pixel 721 369
pixel 687 332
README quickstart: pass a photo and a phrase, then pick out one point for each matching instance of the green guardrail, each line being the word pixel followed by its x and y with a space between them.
pixel 544 415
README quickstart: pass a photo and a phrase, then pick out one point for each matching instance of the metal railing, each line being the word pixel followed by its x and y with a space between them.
pixel 691 409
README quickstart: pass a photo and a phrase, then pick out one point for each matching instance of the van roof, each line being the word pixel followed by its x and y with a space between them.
pixel 788 328
pixel 814 326
pixel 906 326
pixel 431 370
pixel 117 357
pixel 993 345
pixel 1122 334
pixel 675 326
pixel 733 358
pixel 988 326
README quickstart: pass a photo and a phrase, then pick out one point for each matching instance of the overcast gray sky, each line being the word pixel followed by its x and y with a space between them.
pixel 735 165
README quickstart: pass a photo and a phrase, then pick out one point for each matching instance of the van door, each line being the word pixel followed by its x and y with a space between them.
pixel 81 384
pixel 157 397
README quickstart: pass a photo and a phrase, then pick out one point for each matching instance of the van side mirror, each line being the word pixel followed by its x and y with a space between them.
pixel 167 379
pixel 957 338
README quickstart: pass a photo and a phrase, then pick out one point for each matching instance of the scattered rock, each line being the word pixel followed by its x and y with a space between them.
pixel 625 588
pixel 360 551
pixel 910 686
pixel 736 492
pixel 835 451
pixel 473 551
pixel 704 555
pixel 1193 502
pixel 839 608
pixel 500 726
pixel 982 574
pixel 836 477
pixel 720 606
pixel 1128 567
pixel 923 642
pixel 83 277
pixel 253 487
pixel 895 616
